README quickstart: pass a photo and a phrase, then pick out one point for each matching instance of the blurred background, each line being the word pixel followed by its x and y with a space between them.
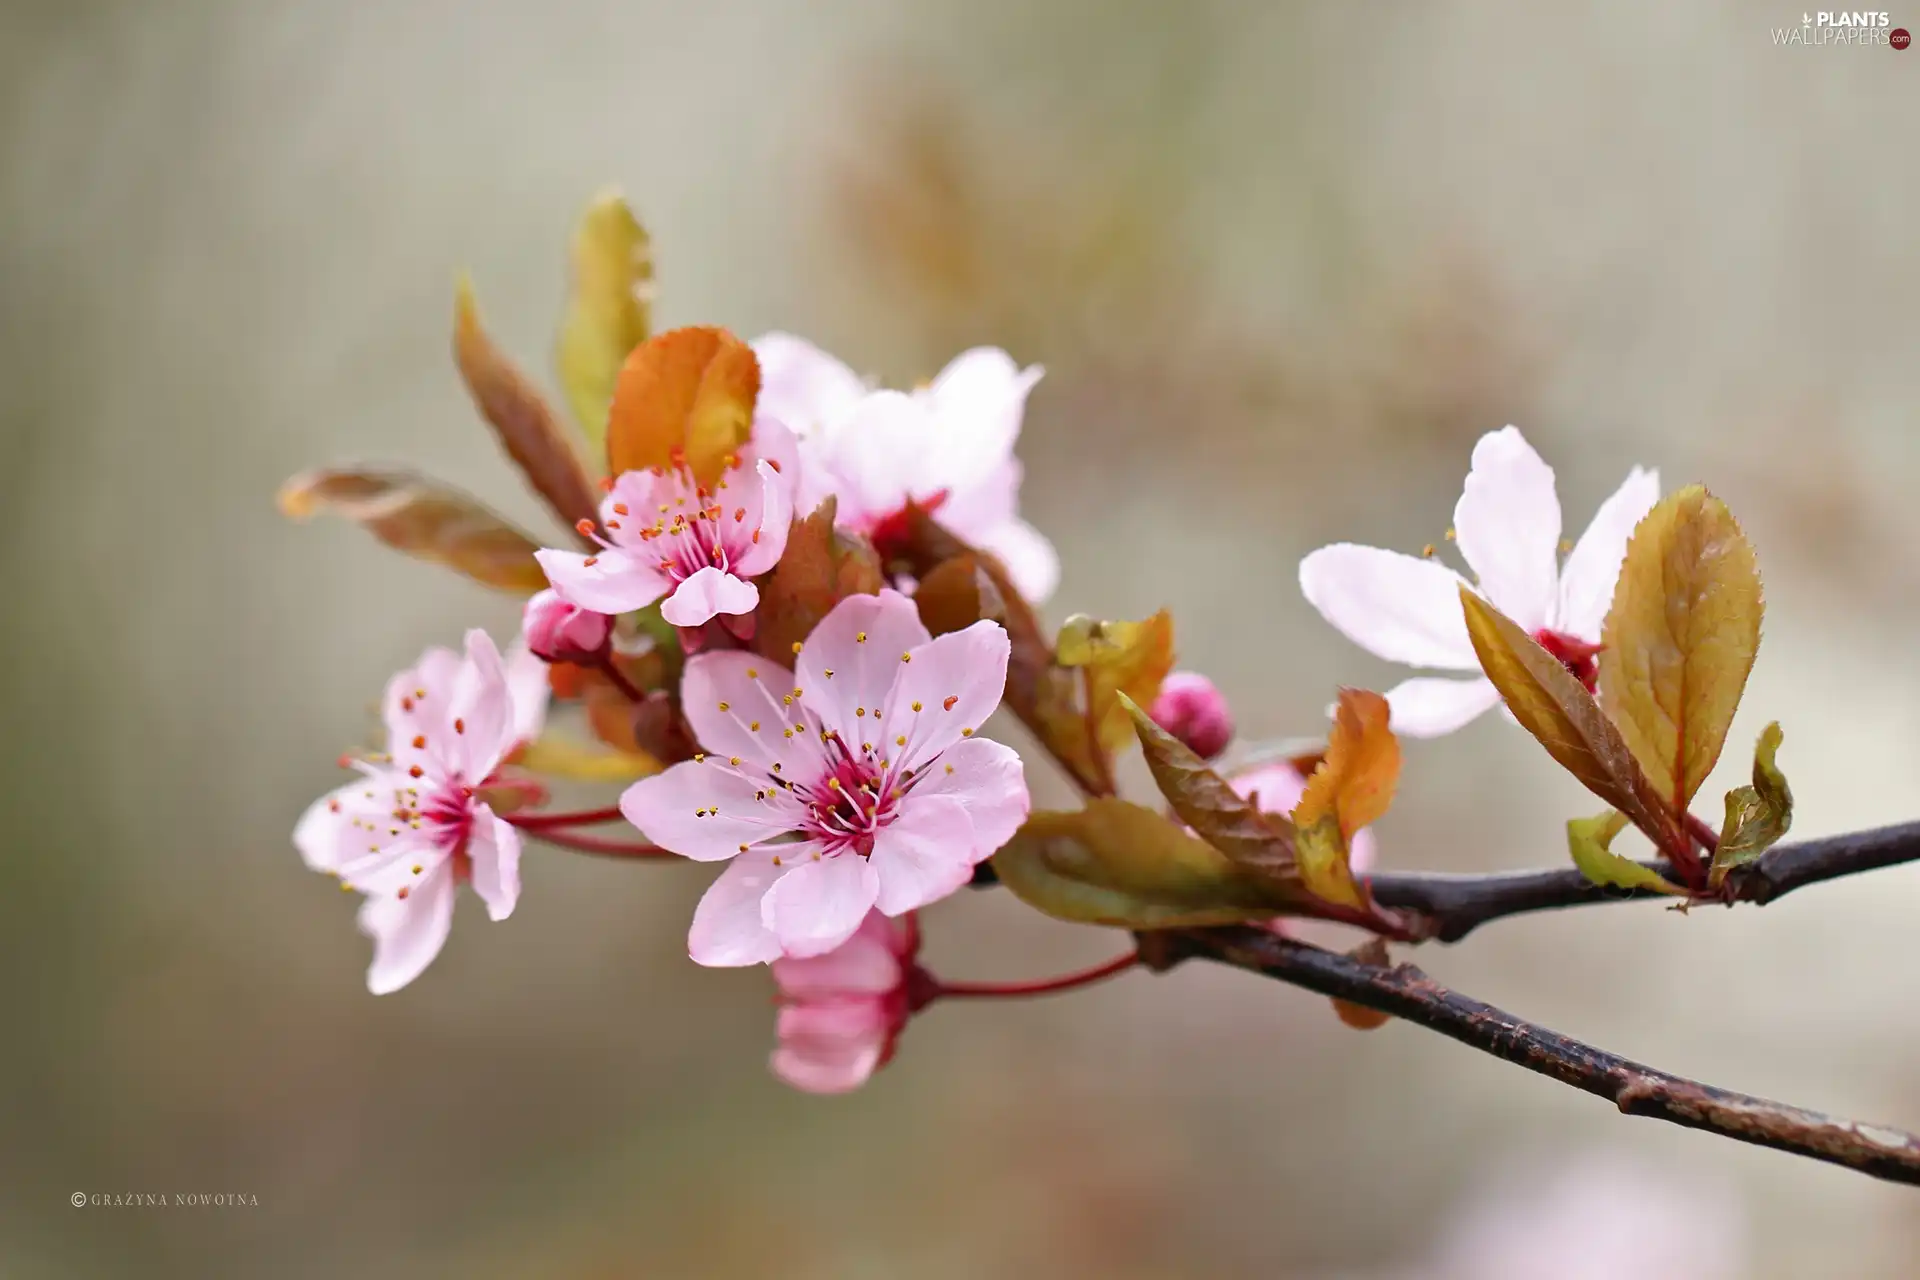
pixel 1283 265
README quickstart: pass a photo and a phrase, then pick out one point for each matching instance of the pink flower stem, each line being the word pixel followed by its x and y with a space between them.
pixel 619 679
pixel 594 844
pixel 575 818
pixel 1039 986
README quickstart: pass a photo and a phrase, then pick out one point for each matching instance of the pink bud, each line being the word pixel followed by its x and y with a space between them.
pixel 562 632
pixel 1192 710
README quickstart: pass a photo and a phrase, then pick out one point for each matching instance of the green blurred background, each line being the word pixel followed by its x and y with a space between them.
pixel 1283 265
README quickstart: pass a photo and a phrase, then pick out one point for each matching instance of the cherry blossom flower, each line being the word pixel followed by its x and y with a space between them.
pixel 841 1012
pixel 412 828
pixel 1191 709
pixel 856 783
pixel 558 631
pixel 1507 524
pixel 947 446
pixel 667 536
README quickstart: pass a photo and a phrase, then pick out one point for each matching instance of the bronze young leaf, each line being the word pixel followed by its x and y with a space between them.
pixel 519 416
pixel 1553 706
pixel 686 395
pixel 821 567
pixel 423 518
pixel 1351 788
pixel 1680 639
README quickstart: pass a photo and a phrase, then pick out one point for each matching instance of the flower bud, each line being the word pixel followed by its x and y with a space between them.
pixel 562 632
pixel 1192 710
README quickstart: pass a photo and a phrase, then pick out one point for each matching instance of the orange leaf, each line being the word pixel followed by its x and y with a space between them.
pixel 1352 787
pixel 684 395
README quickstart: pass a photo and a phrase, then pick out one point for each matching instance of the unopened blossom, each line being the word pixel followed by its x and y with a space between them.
pixel 1507 525
pixel 841 1012
pixel 856 781
pixel 1193 710
pixel 947 446
pixel 559 631
pixel 661 534
pixel 411 829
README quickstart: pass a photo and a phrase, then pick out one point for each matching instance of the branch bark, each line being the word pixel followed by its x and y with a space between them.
pixel 1405 992
pixel 1452 906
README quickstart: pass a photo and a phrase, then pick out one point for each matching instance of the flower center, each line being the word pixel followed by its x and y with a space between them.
pixel 691 526
pixel 1575 654
pixel 851 803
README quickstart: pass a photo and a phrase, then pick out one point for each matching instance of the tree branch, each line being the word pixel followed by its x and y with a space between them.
pixel 1452 906
pixel 1405 992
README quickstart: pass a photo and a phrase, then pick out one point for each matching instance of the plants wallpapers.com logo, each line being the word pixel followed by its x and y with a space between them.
pixel 1844 28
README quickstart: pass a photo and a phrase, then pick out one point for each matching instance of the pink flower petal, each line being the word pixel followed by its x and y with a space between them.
pixel 773 519
pixel 1029 558
pixel 494 847
pixel 956 680
pixel 407 932
pixel 750 688
pixel 1398 607
pixel 868 963
pixel 529 690
pixel 325 835
pixel 416 705
pixel 481 725
pixel 925 854
pixel 863 669
pixel 727 929
pixel 1508 527
pixel 1587 579
pixel 706 810
pixel 1274 788
pixel 820 903
pixel 826 1060
pixel 977 401
pixel 1428 707
pixel 988 778
pixel 616 580
pixel 883 454
pixel 708 592
pixel 802 385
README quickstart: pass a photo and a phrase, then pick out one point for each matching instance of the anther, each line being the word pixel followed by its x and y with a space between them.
pixel 796 646
pixel 966 733
pixel 739 514
pixel 948 704
pixel 419 741
pixel 900 741
pixel 724 706
pixel 584 527
pixel 459 726
pixel 906 657
pixel 860 637
pixel 734 761
pixel 754 727
pixel 415 772
pixel 916 706
pixel 699 757
pixel 402 895
pixel 620 509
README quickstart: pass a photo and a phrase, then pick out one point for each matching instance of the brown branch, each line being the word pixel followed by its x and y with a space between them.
pixel 1405 992
pixel 1452 906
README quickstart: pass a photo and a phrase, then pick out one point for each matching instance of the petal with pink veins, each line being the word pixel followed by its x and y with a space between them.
pixel 989 779
pixel 325 834
pixel 407 932
pixel 820 903
pixel 1398 607
pixel 1507 525
pixel 925 854
pixel 956 681
pixel 705 810
pixel 1429 707
pixel 775 518
pixel 529 690
pixel 732 701
pixel 727 929
pixel 494 847
pixel 612 580
pixel 860 641
pixel 1588 578
pixel 708 592
pixel 830 1048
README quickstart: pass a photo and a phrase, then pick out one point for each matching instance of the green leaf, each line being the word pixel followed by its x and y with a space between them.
pixel 609 310
pixel 423 518
pixel 520 417
pixel 1758 816
pixel 559 756
pixel 1590 839
pixel 1115 863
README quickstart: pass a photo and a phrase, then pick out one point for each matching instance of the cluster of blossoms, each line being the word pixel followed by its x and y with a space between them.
pixel 760 623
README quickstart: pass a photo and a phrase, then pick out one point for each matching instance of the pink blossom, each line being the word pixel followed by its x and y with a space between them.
pixel 841 1012
pixel 557 631
pixel 411 829
pixel 857 782
pixel 1507 524
pixel 1193 710
pixel 666 536
pixel 947 446
pixel 1277 788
